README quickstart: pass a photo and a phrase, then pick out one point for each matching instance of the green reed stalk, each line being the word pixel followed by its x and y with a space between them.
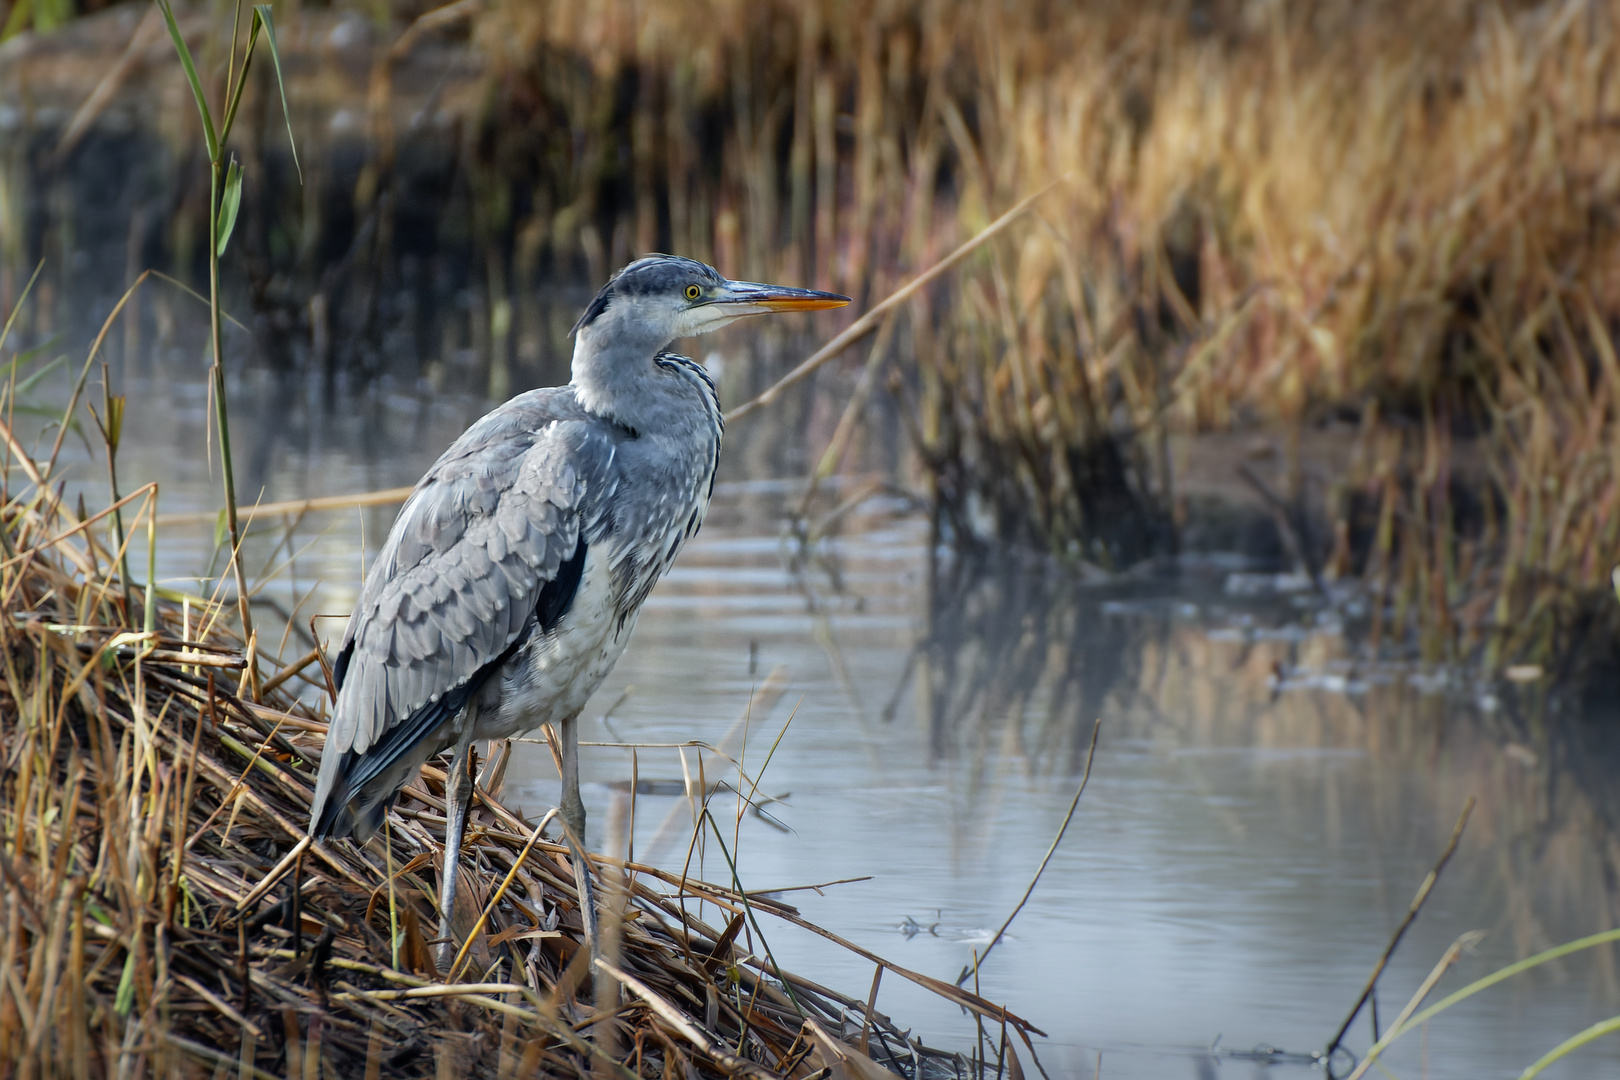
pixel 1502 974
pixel 224 199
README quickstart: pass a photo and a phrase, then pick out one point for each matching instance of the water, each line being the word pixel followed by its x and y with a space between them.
pixel 1259 815
pixel 1234 870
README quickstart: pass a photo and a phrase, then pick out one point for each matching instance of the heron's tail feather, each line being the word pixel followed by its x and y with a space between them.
pixel 329 814
pixel 357 816
pixel 343 807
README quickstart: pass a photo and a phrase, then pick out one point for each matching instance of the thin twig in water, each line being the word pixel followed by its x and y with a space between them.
pixel 1411 914
pixel 809 888
pixel 1056 840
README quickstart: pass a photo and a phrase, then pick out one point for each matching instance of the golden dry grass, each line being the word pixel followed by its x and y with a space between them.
pixel 1270 214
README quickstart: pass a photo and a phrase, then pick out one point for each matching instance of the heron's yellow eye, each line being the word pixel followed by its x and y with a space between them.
pixel 693 292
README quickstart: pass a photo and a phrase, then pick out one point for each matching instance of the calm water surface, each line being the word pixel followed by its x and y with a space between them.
pixel 1258 818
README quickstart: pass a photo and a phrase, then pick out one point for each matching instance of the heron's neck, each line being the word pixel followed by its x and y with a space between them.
pixel 614 377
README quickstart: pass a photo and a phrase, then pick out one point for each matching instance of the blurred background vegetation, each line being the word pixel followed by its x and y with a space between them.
pixel 1356 265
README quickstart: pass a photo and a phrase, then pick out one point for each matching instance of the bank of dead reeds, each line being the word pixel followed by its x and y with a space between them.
pixel 165 913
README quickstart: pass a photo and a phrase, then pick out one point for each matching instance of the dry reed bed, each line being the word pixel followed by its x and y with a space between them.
pixel 1403 215
pixel 152 834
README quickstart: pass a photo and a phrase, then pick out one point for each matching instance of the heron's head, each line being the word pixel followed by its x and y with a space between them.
pixel 659 298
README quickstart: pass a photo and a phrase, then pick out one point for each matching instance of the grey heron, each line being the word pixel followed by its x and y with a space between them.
pixel 511 579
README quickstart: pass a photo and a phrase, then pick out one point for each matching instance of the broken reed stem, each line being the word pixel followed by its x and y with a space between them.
pixel 1411 914
pixel 979 958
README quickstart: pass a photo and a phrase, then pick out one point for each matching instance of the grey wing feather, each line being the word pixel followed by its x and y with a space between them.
pixel 463 567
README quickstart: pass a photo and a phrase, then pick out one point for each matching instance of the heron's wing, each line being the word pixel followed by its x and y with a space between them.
pixel 492 535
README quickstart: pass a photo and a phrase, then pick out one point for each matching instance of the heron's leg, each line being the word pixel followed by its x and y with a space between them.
pixel 457 797
pixel 573 809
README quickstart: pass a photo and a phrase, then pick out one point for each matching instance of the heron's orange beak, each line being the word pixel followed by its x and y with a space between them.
pixel 752 298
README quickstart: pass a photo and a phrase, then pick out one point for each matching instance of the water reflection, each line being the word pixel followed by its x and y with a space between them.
pixel 1015 661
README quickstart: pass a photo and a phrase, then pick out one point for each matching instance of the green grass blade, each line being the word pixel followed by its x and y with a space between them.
pixel 33 379
pixel 1489 981
pixel 261 12
pixel 44 412
pixel 195 295
pixel 191 77
pixel 124 1000
pixel 24 357
pixel 1507 973
pixel 234 93
pixel 18 306
pixel 229 204
pixel 1574 1042
pixel 16 22
pixel 748 909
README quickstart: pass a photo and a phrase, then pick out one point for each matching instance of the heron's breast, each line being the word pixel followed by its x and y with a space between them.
pixel 554 674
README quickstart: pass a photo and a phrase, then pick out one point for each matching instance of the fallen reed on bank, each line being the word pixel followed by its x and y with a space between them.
pixel 165 913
